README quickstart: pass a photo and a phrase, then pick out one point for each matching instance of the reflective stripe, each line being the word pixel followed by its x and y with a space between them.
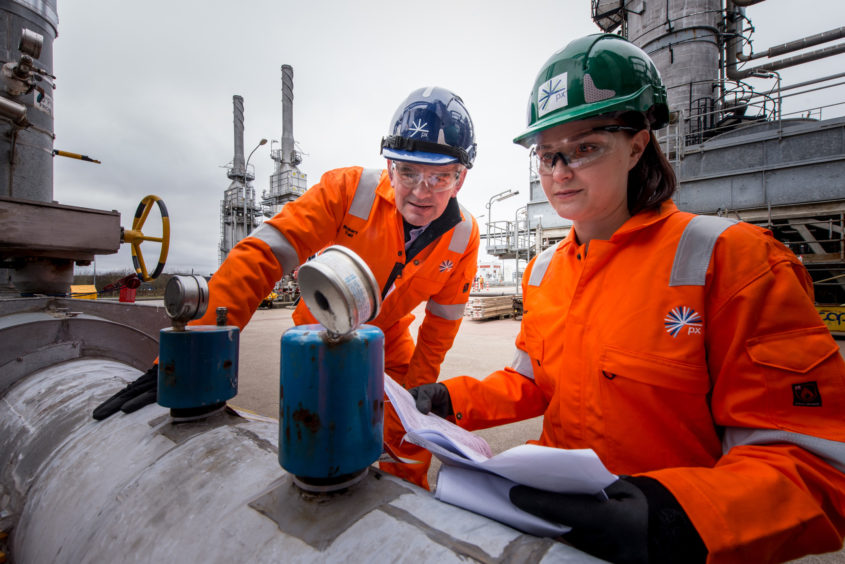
pixel 522 363
pixel 365 193
pixel 284 251
pixel 692 257
pixel 832 452
pixel 451 312
pixel 461 234
pixel 540 266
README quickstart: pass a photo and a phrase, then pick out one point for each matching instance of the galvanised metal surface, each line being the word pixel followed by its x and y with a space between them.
pixel 39 332
pixel 331 401
pixel 198 366
pixel 774 163
pixel 26 161
pixel 139 488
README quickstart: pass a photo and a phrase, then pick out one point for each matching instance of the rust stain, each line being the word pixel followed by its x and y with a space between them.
pixel 309 419
pixel 170 375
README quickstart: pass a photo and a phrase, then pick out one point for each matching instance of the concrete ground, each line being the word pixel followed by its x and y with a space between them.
pixel 480 348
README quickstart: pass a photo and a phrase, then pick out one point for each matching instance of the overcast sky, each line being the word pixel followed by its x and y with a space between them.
pixel 146 88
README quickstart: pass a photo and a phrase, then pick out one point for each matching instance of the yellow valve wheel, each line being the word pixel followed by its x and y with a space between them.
pixel 135 237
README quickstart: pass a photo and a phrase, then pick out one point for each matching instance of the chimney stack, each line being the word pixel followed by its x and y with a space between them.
pixel 287 116
pixel 238 166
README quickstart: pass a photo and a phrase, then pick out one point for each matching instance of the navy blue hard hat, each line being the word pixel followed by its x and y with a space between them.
pixel 432 126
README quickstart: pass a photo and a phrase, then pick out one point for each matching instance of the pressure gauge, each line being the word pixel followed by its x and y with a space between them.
pixel 185 298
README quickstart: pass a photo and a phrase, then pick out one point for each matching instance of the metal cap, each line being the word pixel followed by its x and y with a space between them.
pixel 339 289
pixel 185 298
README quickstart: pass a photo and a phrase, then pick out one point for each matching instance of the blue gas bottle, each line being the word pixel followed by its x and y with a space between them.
pixel 198 364
pixel 331 403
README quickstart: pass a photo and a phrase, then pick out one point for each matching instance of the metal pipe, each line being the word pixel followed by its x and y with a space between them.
pixel 815 81
pixel 735 12
pixel 140 487
pixel 13 111
pixel 796 45
pixel 733 15
pixel 763 70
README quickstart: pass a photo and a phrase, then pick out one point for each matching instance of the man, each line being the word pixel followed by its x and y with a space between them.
pixel 404 222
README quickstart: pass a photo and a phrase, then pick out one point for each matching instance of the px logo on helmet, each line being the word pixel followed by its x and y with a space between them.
pixel 552 95
pixel 608 74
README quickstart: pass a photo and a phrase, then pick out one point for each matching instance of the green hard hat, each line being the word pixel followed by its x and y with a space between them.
pixel 591 76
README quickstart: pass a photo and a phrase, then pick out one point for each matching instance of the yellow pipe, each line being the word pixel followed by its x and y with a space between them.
pixel 75 156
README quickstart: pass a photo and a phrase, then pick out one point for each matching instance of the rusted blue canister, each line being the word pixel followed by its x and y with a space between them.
pixel 331 403
pixel 198 366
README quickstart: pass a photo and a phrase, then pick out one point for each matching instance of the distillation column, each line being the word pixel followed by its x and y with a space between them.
pixel 238 210
pixel 683 40
pixel 287 183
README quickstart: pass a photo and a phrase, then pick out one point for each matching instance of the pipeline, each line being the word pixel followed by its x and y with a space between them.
pixel 735 12
pixel 142 487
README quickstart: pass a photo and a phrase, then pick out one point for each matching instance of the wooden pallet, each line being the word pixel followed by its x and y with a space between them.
pixel 489 307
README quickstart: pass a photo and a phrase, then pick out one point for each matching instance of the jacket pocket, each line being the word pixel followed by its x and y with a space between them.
pixel 655 370
pixel 794 351
pixel 533 338
pixel 422 288
pixel 655 411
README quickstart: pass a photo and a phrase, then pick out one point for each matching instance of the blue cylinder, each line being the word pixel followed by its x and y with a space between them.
pixel 197 366
pixel 331 405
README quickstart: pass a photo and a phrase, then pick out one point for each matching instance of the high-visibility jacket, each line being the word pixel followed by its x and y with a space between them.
pixel 355 207
pixel 687 349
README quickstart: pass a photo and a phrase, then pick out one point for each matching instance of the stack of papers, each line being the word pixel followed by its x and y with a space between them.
pixel 473 478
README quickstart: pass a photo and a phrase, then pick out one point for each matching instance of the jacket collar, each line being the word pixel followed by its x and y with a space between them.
pixel 640 221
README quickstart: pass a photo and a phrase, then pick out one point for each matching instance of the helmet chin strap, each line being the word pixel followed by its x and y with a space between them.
pixel 400 143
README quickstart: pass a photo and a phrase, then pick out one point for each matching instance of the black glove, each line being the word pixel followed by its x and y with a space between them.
pixel 433 397
pixel 641 521
pixel 136 395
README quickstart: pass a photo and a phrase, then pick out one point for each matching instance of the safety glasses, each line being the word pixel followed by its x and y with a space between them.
pixel 577 151
pixel 411 178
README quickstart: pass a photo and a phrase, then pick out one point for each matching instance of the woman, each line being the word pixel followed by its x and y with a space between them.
pixel 685 350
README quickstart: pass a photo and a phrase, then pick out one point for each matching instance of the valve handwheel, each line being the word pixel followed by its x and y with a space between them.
pixel 135 237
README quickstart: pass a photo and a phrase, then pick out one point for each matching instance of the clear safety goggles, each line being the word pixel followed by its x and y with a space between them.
pixel 411 177
pixel 577 151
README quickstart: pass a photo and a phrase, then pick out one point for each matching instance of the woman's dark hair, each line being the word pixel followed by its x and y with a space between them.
pixel 652 181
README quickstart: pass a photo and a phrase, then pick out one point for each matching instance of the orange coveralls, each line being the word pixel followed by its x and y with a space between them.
pixel 700 362
pixel 336 211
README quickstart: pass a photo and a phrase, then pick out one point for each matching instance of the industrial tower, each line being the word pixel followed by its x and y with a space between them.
pixel 238 211
pixel 287 183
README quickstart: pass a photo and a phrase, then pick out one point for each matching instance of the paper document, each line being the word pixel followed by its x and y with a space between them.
pixel 489 495
pixel 546 468
pixel 433 428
